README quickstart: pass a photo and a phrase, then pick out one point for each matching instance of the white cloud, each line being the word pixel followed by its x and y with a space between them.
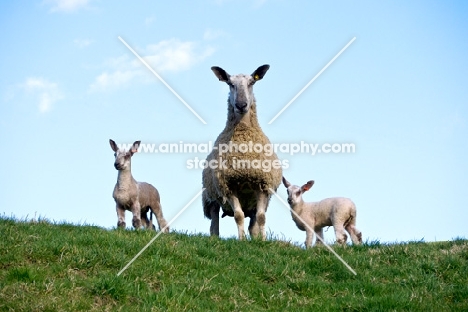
pixel 82 43
pixel 46 92
pixel 149 20
pixel 122 62
pixel 118 78
pixel 175 55
pixel 212 34
pixel 171 55
pixel 66 6
pixel 255 3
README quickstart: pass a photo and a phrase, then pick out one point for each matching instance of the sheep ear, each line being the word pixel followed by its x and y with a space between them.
pixel 286 183
pixel 220 73
pixel 307 186
pixel 135 147
pixel 113 145
pixel 260 72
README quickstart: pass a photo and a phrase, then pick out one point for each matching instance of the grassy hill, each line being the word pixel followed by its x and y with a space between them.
pixel 63 267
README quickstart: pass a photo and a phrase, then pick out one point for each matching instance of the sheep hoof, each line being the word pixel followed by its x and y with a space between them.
pixel 341 241
pixel 136 224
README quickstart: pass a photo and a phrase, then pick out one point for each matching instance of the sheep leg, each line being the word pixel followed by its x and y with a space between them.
pixel 238 215
pixel 162 224
pixel 147 222
pixel 136 211
pixel 356 235
pixel 254 229
pixel 120 216
pixel 214 213
pixel 151 221
pixel 144 219
pixel 319 233
pixel 262 202
pixel 309 237
pixel 340 234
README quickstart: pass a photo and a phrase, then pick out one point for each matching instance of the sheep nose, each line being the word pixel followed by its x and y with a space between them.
pixel 241 105
pixel 117 166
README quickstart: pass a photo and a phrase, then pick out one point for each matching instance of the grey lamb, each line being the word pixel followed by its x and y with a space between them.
pixel 137 197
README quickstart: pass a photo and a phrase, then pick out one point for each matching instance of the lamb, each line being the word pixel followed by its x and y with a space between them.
pixel 137 197
pixel 338 212
pixel 236 179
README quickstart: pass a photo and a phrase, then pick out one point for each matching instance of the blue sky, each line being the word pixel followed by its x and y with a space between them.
pixel 398 92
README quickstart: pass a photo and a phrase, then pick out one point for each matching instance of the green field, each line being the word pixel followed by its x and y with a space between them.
pixel 62 267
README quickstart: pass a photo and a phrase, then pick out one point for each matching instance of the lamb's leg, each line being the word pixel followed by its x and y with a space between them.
pixel 319 233
pixel 356 235
pixel 136 211
pixel 120 216
pixel 262 203
pixel 309 237
pixel 340 234
pixel 144 219
pixel 147 222
pixel 160 218
pixel 214 213
pixel 151 220
pixel 238 215
pixel 350 226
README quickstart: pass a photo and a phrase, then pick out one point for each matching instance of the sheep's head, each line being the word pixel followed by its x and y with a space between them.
pixel 241 95
pixel 123 157
pixel 295 192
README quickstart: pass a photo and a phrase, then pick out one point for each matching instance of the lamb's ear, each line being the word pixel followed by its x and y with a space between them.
pixel 113 145
pixel 286 183
pixel 307 186
pixel 135 147
pixel 260 72
pixel 220 73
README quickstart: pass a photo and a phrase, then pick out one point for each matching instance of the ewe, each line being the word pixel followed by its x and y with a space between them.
pixel 237 177
pixel 338 212
pixel 137 197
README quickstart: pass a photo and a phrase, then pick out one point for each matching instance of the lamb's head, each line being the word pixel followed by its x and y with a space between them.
pixel 123 157
pixel 241 95
pixel 295 192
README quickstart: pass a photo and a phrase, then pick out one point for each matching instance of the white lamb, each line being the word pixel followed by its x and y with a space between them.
pixel 338 212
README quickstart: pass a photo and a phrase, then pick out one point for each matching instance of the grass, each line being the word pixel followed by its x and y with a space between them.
pixel 61 267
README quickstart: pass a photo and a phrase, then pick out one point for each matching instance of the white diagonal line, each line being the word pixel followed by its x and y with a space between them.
pixel 160 232
pixel 313 79
pixel 318 237
pixel 162 80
